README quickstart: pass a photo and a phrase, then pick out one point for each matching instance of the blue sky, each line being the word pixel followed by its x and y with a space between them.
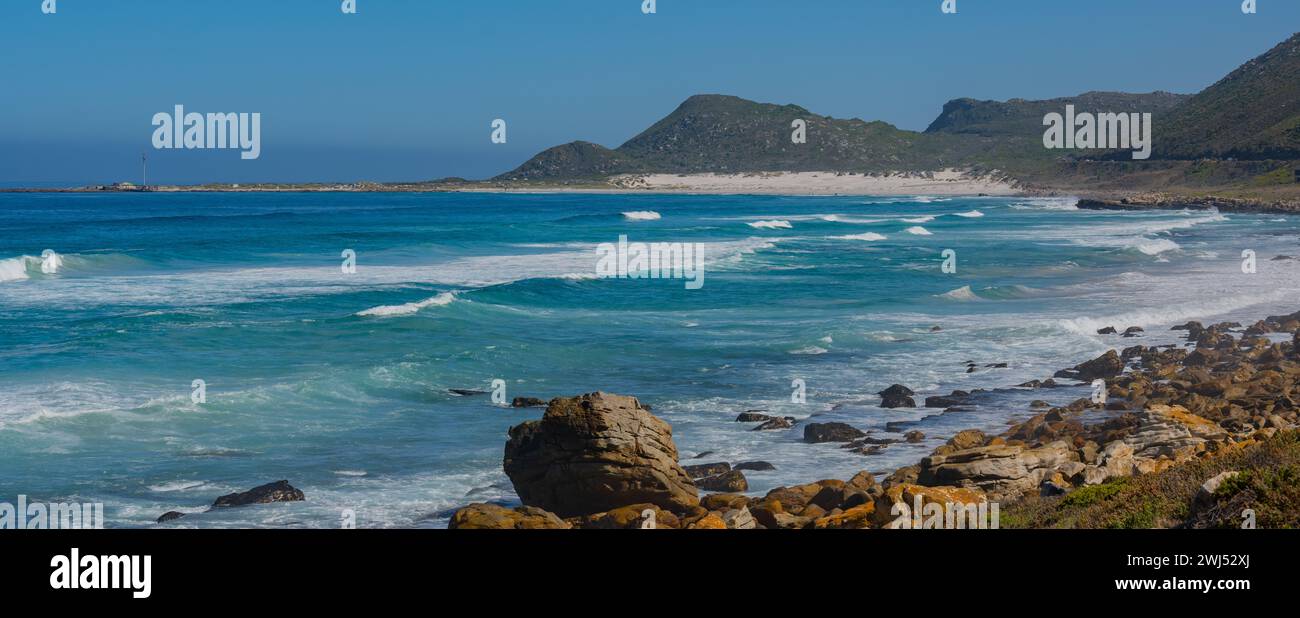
pixel 407 89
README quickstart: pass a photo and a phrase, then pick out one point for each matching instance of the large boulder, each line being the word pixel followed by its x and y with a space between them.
pixel 1107 365
pixel 1172 431
pixel 596 452
pixel 492 517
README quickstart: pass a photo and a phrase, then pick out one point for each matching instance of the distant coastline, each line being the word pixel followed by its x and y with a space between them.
pixel 788 183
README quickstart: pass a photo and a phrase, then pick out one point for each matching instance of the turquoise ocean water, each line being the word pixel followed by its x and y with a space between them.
pixel 339 382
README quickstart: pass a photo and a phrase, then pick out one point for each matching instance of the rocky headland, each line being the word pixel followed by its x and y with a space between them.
pixel 1168 416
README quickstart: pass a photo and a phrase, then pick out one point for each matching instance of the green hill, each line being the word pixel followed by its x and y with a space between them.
pixel 1253 113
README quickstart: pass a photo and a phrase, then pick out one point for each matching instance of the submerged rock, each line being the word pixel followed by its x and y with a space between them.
pixel 594 453
pixel 170 516
pixel 527 402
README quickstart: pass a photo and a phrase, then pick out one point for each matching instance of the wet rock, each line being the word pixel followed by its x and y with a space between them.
pixel 914 436
pixel 776 423
pixel 733 481
pixel 465 392
pixel 1109 330
pixel 897 396
pixel 709 469
pixel 279 491
pixel 170 516
pixel 481 516
pixel 596 452
pixel 1133 331
pixel 527 402
pixel 756 466
pixel 753 416
pixel 830 432
pixel 956 398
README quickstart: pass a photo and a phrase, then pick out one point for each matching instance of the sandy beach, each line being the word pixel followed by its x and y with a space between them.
pixel 946 182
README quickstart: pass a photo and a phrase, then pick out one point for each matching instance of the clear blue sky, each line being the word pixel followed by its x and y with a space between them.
pixel 407 89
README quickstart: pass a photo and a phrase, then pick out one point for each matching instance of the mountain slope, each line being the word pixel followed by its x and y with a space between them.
pixel 727 134
pixel 1253 113
pixel 1024 118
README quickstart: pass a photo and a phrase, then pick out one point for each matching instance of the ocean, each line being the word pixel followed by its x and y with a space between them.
pixel 338 382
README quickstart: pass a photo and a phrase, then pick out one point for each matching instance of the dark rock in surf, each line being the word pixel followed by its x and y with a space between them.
pixel 279 491
pixel 831 432
pixel 699 471
pixel 897 396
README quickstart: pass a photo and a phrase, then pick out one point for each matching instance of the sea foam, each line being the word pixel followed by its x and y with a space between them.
pixel 384 311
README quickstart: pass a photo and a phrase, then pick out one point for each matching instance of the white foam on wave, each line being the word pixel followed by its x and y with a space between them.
pixel 1174 312
pixel 14 269
pixel 969 215
pixel 385 311
pixel 919 231
pixel 863 236
pixel 176 486
pixel 963 293
pixel 1047 203
pixel 921 219
pixel 642 215
pixel 811 350
pixel 1157 246
pixel 772 224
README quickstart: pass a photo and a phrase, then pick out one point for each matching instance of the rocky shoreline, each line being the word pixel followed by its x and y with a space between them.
pixel 604 461
pixel 1163 201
